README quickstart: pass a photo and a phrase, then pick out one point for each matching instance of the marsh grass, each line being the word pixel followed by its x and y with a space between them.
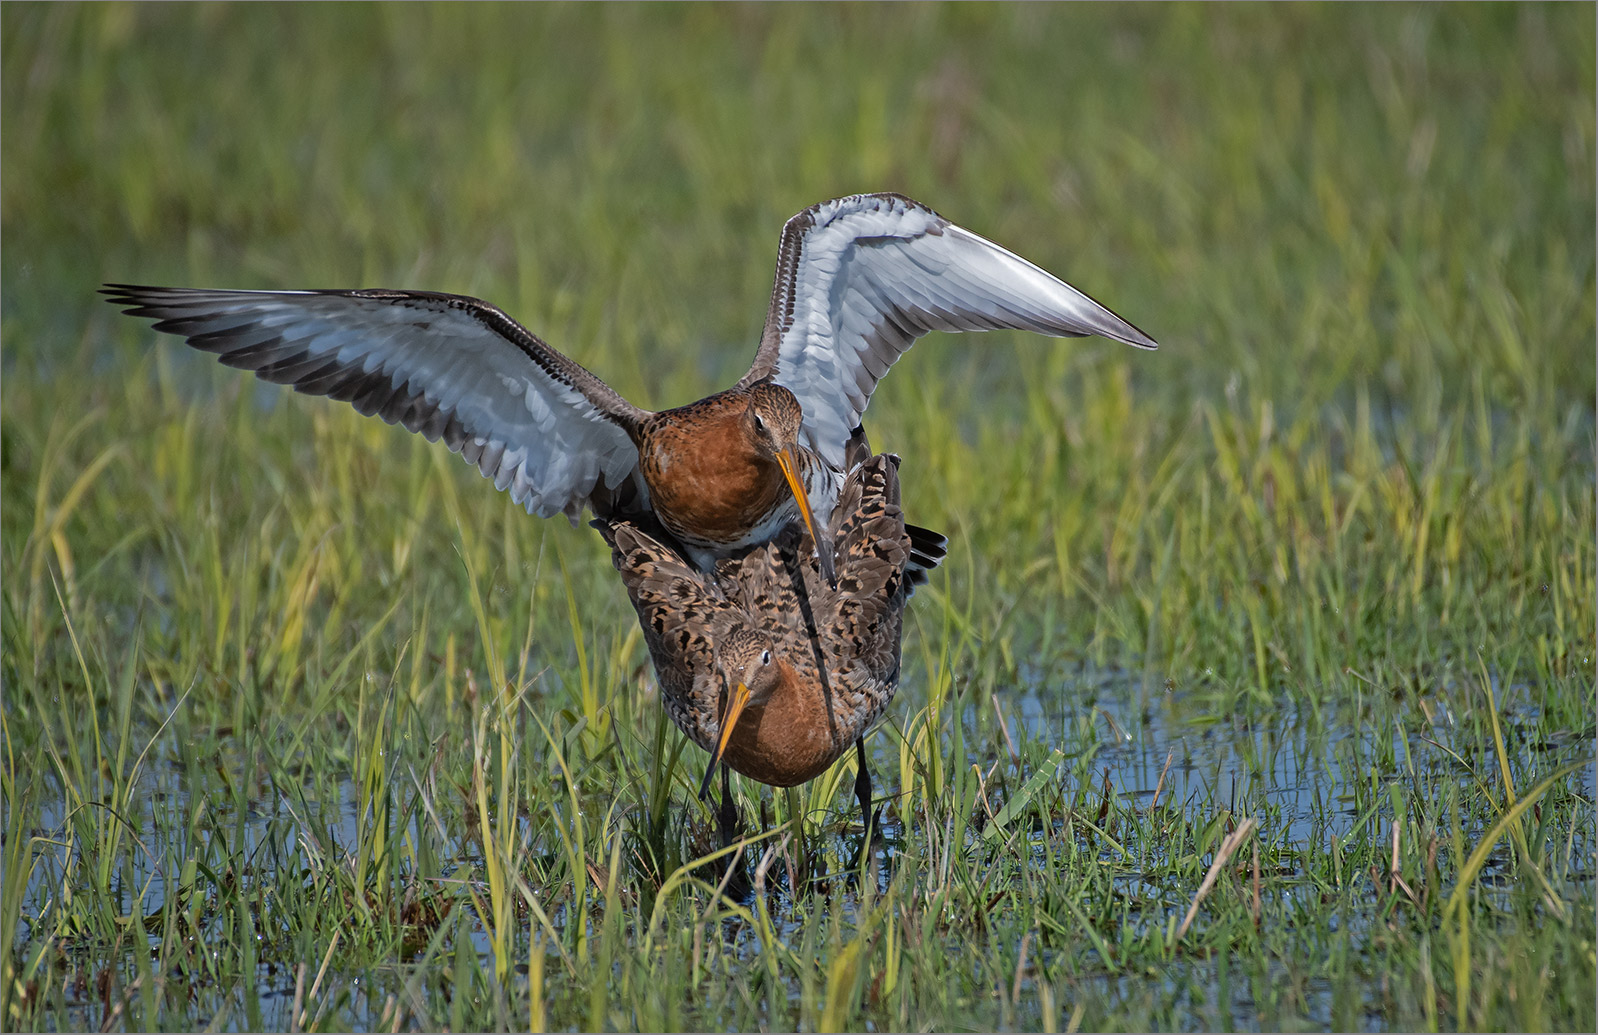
pixel 1257 690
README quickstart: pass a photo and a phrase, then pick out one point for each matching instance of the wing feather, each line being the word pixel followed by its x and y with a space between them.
pixel 445 366
pixel 859 279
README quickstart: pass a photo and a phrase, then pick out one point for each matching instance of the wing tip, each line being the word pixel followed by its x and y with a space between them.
pixel 116 292
pixel 1138 339
pixel 136 299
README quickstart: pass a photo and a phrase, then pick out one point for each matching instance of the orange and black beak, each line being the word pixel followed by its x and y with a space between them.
pixel 736 702
pixel 788 460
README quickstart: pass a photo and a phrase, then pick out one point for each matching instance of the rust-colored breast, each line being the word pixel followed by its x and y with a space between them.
pixel 791 738
pixel 706 481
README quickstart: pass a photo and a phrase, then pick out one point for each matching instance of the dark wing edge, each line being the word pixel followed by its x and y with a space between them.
pixel 790 252
pixel 445 366
pixel 859 279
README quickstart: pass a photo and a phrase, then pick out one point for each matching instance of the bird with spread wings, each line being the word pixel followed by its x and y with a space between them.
pixel 858 280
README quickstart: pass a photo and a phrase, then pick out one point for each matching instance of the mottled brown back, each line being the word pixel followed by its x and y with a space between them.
pixel 843 643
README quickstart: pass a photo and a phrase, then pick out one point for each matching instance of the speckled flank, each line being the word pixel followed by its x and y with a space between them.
pixel 836 651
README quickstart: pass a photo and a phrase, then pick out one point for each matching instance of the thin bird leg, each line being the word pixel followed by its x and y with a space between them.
pixel 727 814
pixel 862 790
pixel 730 822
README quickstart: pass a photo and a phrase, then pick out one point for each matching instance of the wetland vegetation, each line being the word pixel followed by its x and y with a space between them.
pixel 1257 690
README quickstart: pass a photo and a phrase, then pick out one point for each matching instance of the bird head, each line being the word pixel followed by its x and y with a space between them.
pixel 750 672
pixel 775 419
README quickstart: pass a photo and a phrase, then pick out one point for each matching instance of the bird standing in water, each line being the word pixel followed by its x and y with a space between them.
pixel 771 670
pixel 858 280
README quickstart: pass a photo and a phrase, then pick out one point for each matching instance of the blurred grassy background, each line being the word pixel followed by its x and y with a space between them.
pixel 1299 196
pixel 1362 459
pixel 1301 203
pixel 1339 222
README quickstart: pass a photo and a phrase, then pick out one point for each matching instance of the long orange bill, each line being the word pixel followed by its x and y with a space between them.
pixel 789 463
pixel 735 707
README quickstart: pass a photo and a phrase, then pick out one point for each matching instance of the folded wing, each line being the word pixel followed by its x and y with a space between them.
pixel 547 431
pixel 859 279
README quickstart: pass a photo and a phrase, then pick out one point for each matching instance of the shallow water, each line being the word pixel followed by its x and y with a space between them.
pixel 1297 773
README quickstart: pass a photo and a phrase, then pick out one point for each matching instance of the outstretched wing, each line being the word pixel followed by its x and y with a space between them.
pixel 859 279
pixel 544 429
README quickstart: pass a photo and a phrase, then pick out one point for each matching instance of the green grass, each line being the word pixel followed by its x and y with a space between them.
pixel 304 724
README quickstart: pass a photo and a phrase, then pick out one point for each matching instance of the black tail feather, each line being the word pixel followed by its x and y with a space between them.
pixel 927 550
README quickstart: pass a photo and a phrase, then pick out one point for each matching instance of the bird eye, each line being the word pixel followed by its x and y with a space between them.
pixel 765 657
pixel 760 424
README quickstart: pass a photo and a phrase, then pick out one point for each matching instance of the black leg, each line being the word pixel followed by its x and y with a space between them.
pixel 862 790
pixel 727 814
pixel 731 825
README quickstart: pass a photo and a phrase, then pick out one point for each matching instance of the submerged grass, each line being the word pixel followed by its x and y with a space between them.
pixel 1258 688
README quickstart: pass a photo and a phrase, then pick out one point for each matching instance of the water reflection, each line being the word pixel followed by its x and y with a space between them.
pixel 1309 781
